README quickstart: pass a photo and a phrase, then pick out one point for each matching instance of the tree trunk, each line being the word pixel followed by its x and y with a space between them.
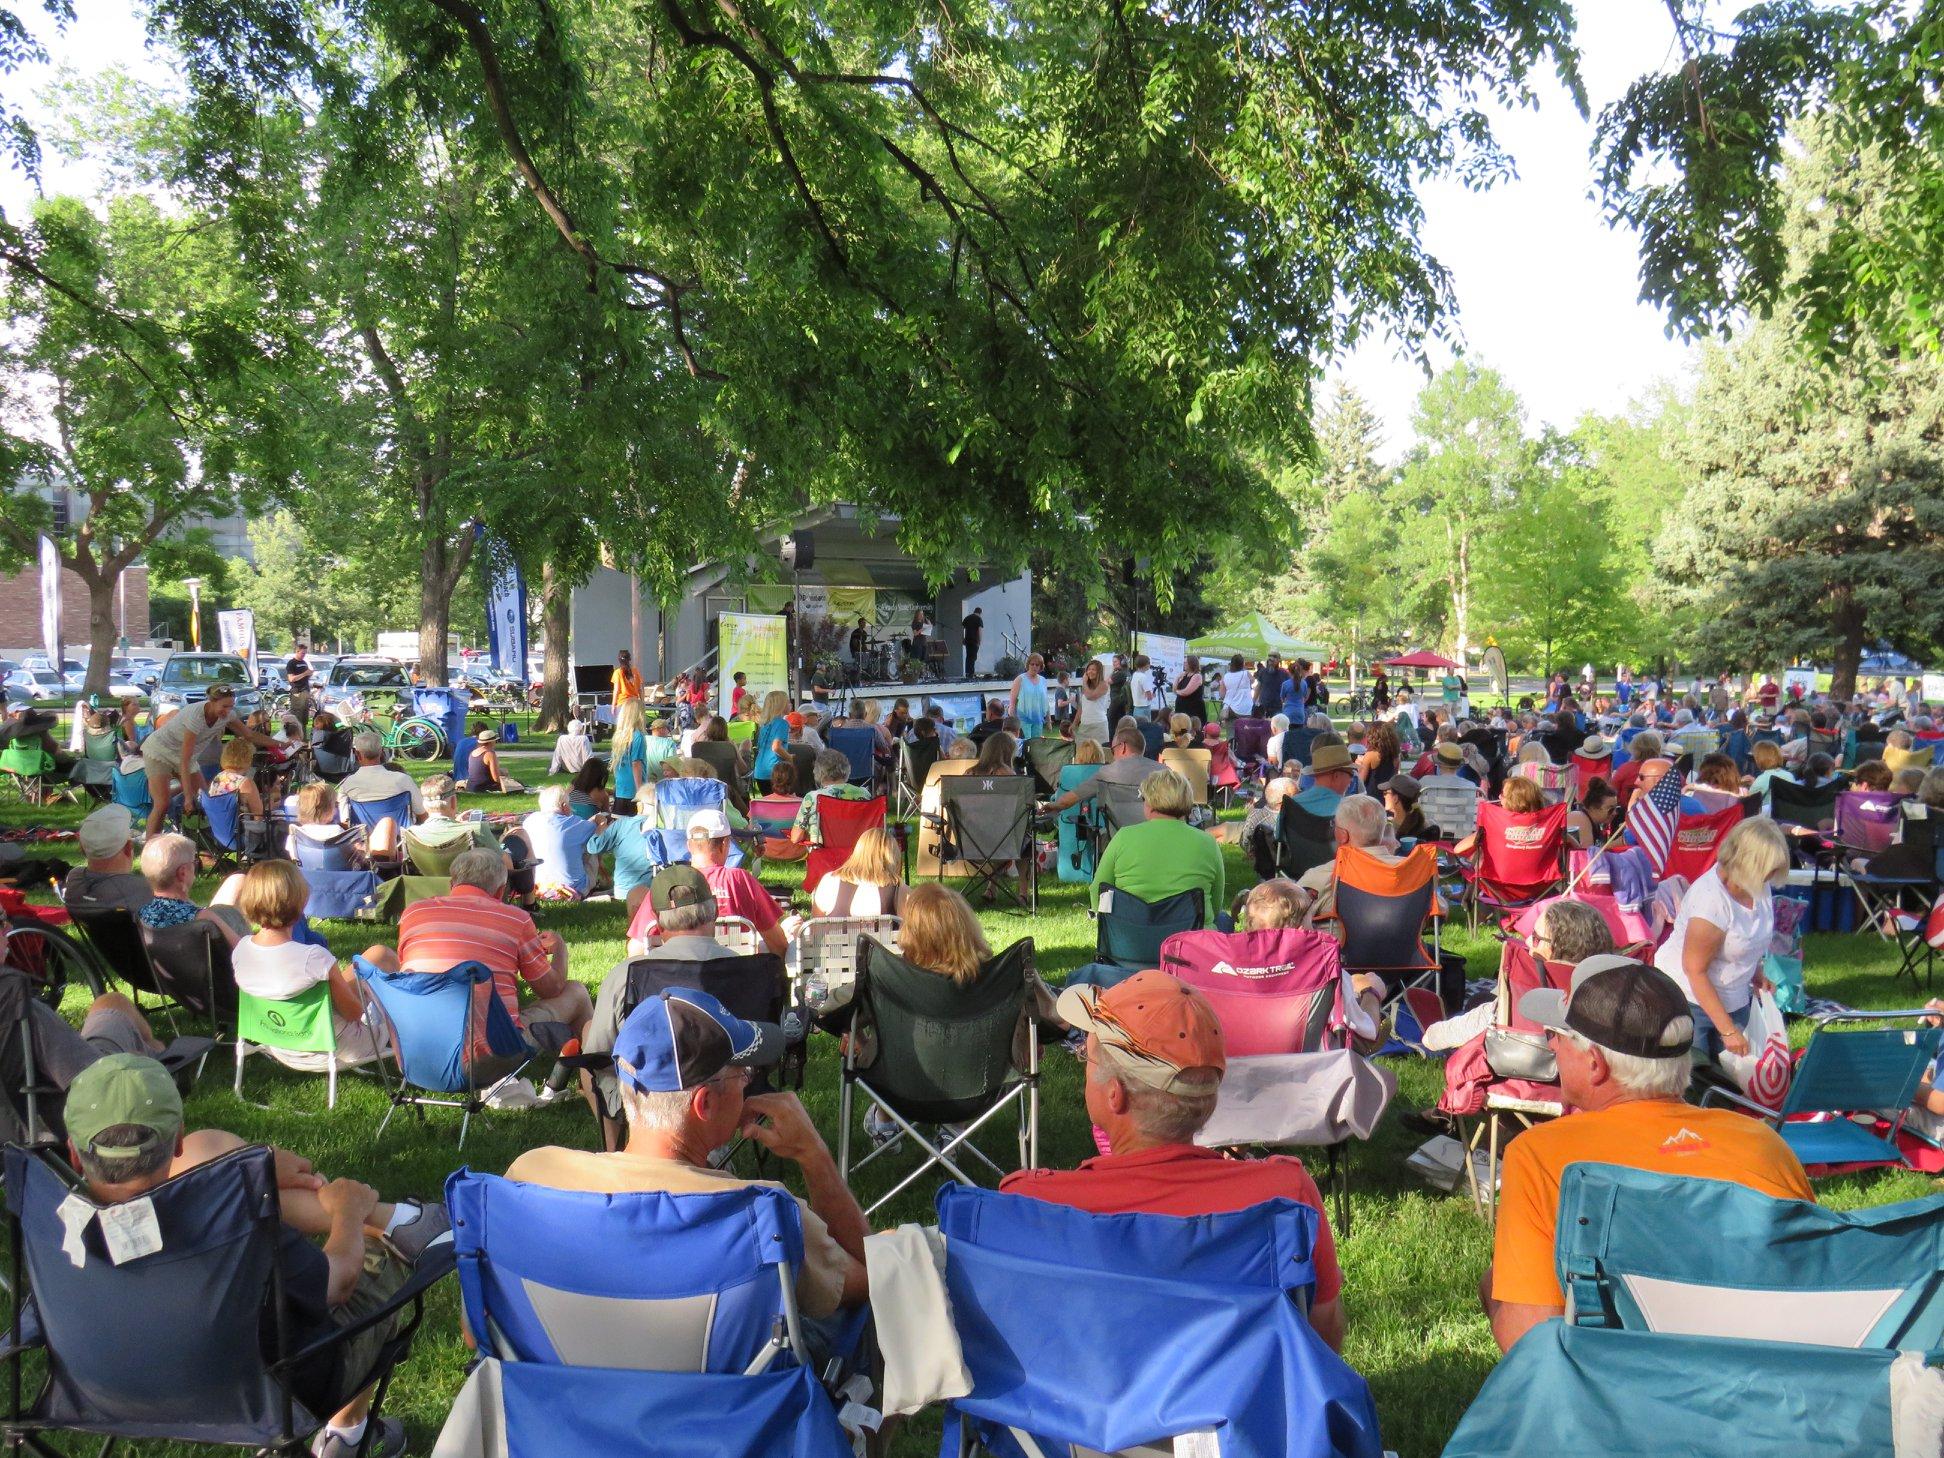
pixel 556 625
pixel 440 564
pixel 101 632
pixel 1849 647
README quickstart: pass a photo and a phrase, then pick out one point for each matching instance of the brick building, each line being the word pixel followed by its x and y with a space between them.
pixel 20 625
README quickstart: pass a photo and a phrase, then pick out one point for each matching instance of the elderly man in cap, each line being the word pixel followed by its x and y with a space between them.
pixel 109 877
pixel 126 1136
pixel 734 891
pixel 1155 1061
pixel 1622 1035
pixel 681 1064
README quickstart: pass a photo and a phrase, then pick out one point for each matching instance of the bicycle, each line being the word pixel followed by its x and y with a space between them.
pixel 410 736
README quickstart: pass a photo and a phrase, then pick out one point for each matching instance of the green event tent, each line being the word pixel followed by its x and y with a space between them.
pixel 1253 636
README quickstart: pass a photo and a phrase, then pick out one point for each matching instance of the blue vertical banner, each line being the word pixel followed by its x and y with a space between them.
pixel 506 608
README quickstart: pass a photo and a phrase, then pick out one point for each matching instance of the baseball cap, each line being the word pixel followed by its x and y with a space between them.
pixel 1157 1026
pixel 679 885
pixel 123 1088
pixel 1405 787
pixel 105 831
pixel 681 1038
pixel 1622 1005
pixel 709 824
pixel 1450 752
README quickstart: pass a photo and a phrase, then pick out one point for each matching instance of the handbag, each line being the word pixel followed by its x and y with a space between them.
pixel 1514 1054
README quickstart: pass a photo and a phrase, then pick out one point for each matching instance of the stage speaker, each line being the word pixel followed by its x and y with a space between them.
pixel 798 551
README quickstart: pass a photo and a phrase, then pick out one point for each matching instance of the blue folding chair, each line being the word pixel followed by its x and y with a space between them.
pixel 1107 1332
pixel 367 813
pixel 335 854
pixel 1128 933
pixel 435 1022
pixel 132 792
pixel 688 1332
pixel 340 895
pixel 858 744
pixel 223 1370
pixel 1864 1070
pixel 677 801
pixel 462 747
pixel 246 838
pixel 1790 1316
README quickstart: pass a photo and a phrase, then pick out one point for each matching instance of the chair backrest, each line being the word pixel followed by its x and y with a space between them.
pixel 1791 804
pixel 1866 820
pixel 434 1018
pixel 103 745
pixel 858 744
pixel 1296 743
pixel 751 986
pixel 740 731
pixel 1221 768
pixel 830 945
pixel 1045 1297
pixel 116 937
pixel 1519 973
pixel 1047 757
pixel 192 965
pixel 1520 855
pixel 917 758
pixel 132 791
pixel 339 895
pixel 677 801
pixel 944 1049
pixel 1128 932
pixel 722 759
pixel 1382 908
pixel 395 808
pixel 1119 805
pixel 1249 740
pixel 736 934
pixel 1452 806
pixel 1192 765
pixel 206 1288
pixel 433 854
pixel 1303 840
pixel 1768 1270
pixel 300 1024
pixel 1277 991
pixel 685 1283
pixel 1697 841
pixel 1557 783
pixel 314 855
pixel 1855 1070
pixel 840 824
pixel 773 815
pixel 462 749
pixel 987 817
pixel 30 1105
pixel 1153 736
pixel 21 757
pixel 223 813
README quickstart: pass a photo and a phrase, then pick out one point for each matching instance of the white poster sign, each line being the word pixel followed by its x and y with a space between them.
pixel 1803 678
pixel 236 628
pixel 1934 688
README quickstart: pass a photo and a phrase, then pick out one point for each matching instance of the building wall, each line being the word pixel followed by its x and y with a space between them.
pixel 20 625
pixel 1008 605
pixel 601 622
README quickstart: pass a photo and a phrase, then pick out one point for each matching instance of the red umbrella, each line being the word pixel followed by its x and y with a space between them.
pixel 1423 658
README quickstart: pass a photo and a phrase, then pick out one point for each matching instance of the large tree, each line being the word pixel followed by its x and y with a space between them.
pixel 140 369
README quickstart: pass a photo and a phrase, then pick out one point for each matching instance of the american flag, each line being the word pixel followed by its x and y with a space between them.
pixel 1654 817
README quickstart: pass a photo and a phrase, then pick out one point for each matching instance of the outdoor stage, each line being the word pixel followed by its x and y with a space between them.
pixel 961 698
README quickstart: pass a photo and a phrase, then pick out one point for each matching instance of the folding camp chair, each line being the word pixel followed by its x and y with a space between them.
pixel 941 1054
pixel 1296 742
pixel 1128 932
pixel 915 761
pixel 1304 840
pixel 301 1024
pixel 1192 765
pixel 840 824
pixel 234 838
pixel 1091 1334
pixel 738 934
pixel 1114 806
pixel 1557 783
pixel 437 1021
pixel 725 765
pixel 1153 737
pixel 185 969
pixel 50 959
pixel 1046 757
pixel 131 792
pixel 433 855
pixel 987 827
pixel 186 1343
pixel 858 743
pixel 366 815
pixel 1382 909
pixel 1812 813
pixel 1249 746
pixel 824 955
pixel 1451 805
pixel 1862 1071
pixel 1519 859
pixel 33 774
pixel 1866 821
pixel 678 801
pixel 1697 841
pixel 1808 1308
pixel 342 895
pixel 1283 1001
pixel 1897 899
pixel 1222 774
pixel 33 1103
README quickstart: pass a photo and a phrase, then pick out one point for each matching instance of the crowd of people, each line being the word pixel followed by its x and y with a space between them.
pixel 676 1077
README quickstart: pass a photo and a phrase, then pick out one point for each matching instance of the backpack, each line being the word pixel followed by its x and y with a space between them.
pixel 1322 693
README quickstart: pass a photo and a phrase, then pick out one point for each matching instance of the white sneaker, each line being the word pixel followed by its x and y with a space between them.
pixel 550 1095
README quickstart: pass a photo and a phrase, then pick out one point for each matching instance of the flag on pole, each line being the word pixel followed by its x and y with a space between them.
pixel 237 629
pixel 506 608
pixel 1655 817
pixel 50 585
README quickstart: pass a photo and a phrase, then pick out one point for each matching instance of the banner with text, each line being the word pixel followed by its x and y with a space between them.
pixel 755 645
pixel 506 612
pixel 236 630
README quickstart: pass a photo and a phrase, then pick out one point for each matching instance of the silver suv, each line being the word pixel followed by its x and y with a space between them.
pixel 186 679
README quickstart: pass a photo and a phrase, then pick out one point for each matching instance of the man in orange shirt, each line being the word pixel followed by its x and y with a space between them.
pixel 1622 1037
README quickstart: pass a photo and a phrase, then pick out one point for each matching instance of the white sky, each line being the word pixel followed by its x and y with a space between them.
pixel 1546 292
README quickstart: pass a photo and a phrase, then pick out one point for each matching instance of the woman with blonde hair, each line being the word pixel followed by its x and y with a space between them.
pixel 1722 933
pixel 940 933
pixel 233 776
pixel 1181 732
pixel 1090 751
pixel 869 883
pixel 630 752
pixel 773 739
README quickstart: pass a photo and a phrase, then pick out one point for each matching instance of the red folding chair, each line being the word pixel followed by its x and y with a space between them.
pixel 1518 858
pixel 1586 770
pixel 1697 841
pixel 841 823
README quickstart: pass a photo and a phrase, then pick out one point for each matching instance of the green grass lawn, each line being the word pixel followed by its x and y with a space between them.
pixel 1411 1261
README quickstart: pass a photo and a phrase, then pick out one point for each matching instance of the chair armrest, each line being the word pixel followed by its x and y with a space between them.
pixel 1761 1111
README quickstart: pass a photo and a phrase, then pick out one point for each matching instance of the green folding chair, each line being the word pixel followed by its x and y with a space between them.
pixel 303 1024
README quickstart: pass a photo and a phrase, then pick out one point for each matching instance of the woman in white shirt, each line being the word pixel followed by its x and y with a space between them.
pixel 275 967
pixel 1722 933
pixel 1091 697
pixel 1238 689
pixel 869 883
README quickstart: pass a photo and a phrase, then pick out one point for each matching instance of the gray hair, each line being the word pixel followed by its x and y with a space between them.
pixel 1318 720
pixel 151 1161
pixel 483 869
pixel 164 857
pixel 1361 818
pixel 553 799
pixel 693 917
pixel 660 1111
pixel 439 790
pixel 1165 1116
pixel 367 745
pixel 1646 1078
pixel 830 768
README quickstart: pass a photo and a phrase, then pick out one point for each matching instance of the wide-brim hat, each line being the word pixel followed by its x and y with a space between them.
pixel 27 723
pixel 1594 747
pixel 1330 757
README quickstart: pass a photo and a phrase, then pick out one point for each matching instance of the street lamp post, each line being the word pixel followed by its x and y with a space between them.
pixel 194 584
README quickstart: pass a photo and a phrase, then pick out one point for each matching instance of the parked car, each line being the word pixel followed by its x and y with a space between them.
pixel 186 679
pixel 354 680
pixel 38 684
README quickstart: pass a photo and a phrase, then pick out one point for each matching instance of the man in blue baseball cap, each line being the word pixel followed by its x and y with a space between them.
pixel 682 1060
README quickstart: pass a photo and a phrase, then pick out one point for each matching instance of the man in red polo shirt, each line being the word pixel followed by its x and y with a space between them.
pixel 475 924
pixel 1154 1064
pixel 737 893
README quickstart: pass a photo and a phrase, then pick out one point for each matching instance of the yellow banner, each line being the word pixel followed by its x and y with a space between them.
pixel 754 645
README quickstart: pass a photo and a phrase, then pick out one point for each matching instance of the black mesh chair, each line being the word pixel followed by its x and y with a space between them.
pixel 1304 840
pixel 928 1050
pixel 32 1104
pixel 183 969
pixel 1806 814
pixel 1048 757
pixel 1128 932
pixel 915 760
pixel 986 826
pixel 1115 806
